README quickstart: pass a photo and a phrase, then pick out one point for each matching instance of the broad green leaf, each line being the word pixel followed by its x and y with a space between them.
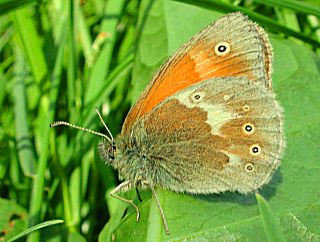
pixel 13 219
pixel 271 225
pixel 232 216
pixel 152 48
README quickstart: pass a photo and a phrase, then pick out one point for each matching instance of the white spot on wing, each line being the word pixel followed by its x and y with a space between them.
pixel 217 114
pixel 233 159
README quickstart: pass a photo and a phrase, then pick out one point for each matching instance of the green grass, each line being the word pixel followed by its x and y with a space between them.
pixel 61 59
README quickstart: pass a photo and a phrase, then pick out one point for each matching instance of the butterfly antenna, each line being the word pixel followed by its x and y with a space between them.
pixel 63 123
pixel 104 124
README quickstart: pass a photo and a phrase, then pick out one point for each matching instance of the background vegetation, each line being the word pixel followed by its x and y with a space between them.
pixel 59 59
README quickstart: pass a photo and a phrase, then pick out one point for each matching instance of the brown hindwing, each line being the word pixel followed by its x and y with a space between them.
pixel 218 135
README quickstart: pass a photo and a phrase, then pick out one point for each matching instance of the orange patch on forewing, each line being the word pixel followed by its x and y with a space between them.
pixel 198 64
pixel 176 78
pixel 210 65
pixel 174 123
pixel 172 79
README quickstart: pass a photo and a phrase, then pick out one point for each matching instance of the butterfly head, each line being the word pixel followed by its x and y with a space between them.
pixel 108 151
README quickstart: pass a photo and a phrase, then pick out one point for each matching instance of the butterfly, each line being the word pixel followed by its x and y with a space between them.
pixel 207 122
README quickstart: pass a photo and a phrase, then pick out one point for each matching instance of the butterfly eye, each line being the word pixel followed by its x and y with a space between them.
pixel 249 167
pixel 248 128
pixel 111 150
pixel 222 48
pixel 133 141
pixel 255 149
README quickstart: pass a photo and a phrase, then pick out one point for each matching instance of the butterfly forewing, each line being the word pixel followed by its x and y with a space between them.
pixel 218 135
pixel 231 46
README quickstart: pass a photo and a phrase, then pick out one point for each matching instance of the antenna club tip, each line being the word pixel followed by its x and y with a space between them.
pixel 54 124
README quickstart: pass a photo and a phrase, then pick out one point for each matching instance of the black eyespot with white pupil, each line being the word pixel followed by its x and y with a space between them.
pixel 255 149
pixel 222 48
pixel 197 96
pixel 248 128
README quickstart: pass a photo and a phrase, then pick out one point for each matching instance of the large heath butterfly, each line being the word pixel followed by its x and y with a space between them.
pixel 208 121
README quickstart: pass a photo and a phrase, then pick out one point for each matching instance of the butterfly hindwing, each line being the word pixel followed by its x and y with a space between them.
pixel 217 135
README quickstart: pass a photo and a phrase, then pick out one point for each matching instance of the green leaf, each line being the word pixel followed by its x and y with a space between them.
pixel 232 216
pixel 13 219
pixel 271 225
pixel 152 48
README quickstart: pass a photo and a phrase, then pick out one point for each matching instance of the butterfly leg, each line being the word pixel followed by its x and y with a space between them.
pixel 165 224
pixel 123 187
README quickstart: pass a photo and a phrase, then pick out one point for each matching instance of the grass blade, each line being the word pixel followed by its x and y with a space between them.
pixel 24 144
pixel 298 6
pixel 47 111
pixel 36 227
pixel 101 67
pixel 31 43
pixel 265 21
pixel 10 5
